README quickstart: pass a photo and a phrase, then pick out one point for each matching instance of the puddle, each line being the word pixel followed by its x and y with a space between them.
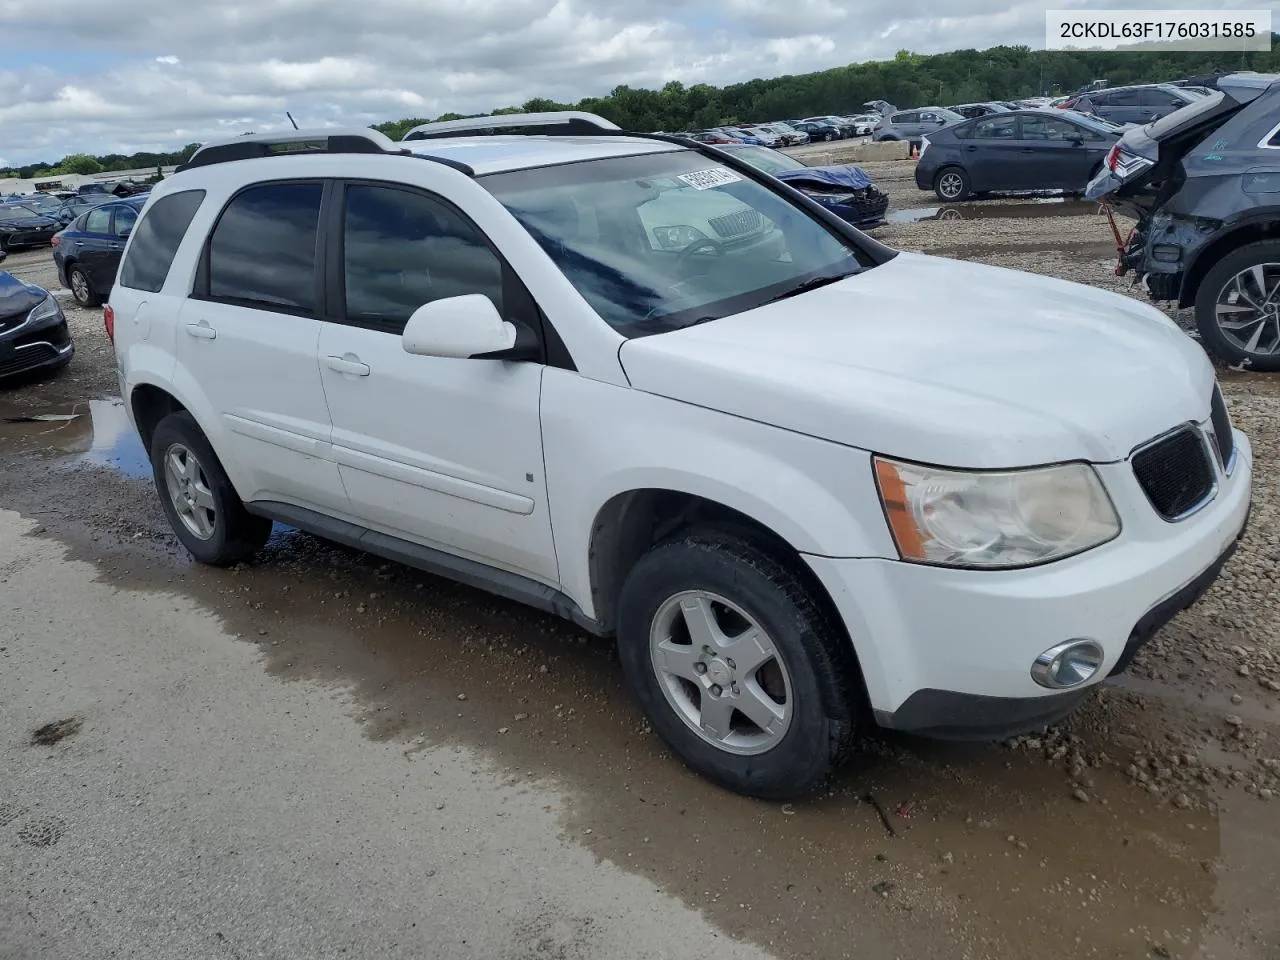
pixel 94 432
pixel 1023 208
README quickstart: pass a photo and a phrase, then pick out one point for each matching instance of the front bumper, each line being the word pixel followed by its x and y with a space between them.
pixel 32 358
pixel 948 652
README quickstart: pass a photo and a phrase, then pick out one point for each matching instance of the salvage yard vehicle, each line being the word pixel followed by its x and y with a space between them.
pixel 1204 186
pixel 1016 150
pixel 911 125
pixel 87 252
pixel 476 355
pixel 33 330
pixel 844 190
pixel 23 227
pixel 1138 104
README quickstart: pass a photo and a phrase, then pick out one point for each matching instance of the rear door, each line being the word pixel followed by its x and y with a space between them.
pixel 1125 106
pixel 247 339
pixel 1158 102
pixel 91 248
pixel 124 218
pixel 992 153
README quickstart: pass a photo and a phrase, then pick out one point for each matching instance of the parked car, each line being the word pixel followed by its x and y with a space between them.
pixel 1204 186
pixel 22 227
pixel 67 210
pixel 33 330
pixel 711 136
pixel 767 138
pixel 38 204
pixel 88 251
pixel 741 135
pixel 863 123
pixel 699 428
pixel 789 134
pixel 844 190
pixel 842 124
pixel 974 110
pixel 818 131
pixel 911 125
pixel 1137 104
pixel 1016 150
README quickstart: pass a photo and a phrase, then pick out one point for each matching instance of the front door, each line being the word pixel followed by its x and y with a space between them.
pixel 444 452
pixel 247 339
pixel 1054 154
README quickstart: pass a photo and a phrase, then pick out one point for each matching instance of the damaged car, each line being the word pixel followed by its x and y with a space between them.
pixel 33 330
pixel 844 190
pixel 1203 184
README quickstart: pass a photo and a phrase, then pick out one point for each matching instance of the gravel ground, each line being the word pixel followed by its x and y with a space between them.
pixel 1165 782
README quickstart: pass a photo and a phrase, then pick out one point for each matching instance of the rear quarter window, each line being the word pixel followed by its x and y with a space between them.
pixel 156 238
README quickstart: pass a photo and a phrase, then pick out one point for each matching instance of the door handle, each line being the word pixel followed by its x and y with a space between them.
pixel 79 243
pixel 1028 150
pixel 971 147
pixel 115 246
pixel 352 367
pixel 201 331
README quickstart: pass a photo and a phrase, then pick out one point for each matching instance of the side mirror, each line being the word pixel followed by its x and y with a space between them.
pixel 466 327
pixel 1076 139
pixel 940 121
pixel 124 234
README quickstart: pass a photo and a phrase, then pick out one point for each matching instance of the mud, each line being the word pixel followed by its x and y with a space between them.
pixel 56 732
pixel 1139 828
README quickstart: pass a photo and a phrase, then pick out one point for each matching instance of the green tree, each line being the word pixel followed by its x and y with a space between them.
pixel 80 163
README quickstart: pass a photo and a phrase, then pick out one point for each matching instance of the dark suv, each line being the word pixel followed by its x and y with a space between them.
pixel 1204 186
pixel 1138 104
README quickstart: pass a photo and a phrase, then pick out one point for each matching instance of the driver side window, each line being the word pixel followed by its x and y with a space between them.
pixel 401 249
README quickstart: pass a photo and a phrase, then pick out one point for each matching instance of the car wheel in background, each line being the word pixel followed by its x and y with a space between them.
pixel 737 664
pixel 1237 307
pixel 198 499
pixel 951 184
pixel 81 292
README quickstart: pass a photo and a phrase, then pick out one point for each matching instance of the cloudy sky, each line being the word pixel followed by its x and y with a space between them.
pixel 106 76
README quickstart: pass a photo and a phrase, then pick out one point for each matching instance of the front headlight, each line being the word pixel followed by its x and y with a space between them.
pixel 1016 518
pixel 46 309
pixel 677 238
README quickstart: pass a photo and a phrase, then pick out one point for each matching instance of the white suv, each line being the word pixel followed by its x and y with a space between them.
pixel 799 505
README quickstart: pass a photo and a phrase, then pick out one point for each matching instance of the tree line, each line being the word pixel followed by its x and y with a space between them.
pixel 908 80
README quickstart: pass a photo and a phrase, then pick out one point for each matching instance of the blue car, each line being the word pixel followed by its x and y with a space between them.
pixel 21 226
pixel 33 330
pixel 739 134
pixel 88 251
pixel 846 191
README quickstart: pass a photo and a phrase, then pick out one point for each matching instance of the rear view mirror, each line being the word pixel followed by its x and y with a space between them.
pixel 465 327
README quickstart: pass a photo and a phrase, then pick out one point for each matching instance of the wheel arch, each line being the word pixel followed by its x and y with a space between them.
pixel 1262 225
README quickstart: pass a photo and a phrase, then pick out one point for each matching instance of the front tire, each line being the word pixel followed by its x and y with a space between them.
pixel 203 508
pixel 737 665
pixel 1237 319
pixel 952 184
pixel 81 291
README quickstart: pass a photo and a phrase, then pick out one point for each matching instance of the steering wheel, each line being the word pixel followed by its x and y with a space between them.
pixel 706 243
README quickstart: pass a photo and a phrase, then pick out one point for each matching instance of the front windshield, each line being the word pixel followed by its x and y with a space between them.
pixel 664 240
pixel 950 116
pixel 770 161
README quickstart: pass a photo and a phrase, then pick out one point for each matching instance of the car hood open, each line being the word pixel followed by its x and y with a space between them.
pixel 944 362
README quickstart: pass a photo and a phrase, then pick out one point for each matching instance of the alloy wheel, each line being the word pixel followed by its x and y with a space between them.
pixel 720 672
pixel 189 491
pixel 951 185
pixel 1247 309
pixel 79 286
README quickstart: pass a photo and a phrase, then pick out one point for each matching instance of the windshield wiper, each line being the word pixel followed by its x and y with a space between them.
pixel 813 283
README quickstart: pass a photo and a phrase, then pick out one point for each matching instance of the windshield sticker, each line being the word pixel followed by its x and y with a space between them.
pixel 706 179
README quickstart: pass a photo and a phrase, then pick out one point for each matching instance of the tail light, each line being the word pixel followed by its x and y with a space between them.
pixel 56 239
pixel 1125 164
pixel 109 321
pixel 924 145
pixel 1113 157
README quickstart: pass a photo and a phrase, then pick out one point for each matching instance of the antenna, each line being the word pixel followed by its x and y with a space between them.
pixel 291 120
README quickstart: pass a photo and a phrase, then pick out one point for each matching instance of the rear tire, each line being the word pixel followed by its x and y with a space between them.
pixel 203 508
pixel 1233 273
pixel 952 184
pixel 799 676
pixel 81 291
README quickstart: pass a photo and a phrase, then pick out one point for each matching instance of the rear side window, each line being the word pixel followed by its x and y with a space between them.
pixel 262 253
pixel 98 221
pixel 126 219
pixel 402 249
pixel 905 118
pixel 155 240
pixel 1155 97
pixel 1048 128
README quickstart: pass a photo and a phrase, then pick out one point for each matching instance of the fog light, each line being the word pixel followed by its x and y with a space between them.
pixel 1067 665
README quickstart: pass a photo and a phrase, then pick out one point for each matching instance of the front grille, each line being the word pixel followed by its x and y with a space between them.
pixel 8 323
pixel 58 335
pixel 737 224
pixel 26 359
pixel 1223 438
pixel 1175 472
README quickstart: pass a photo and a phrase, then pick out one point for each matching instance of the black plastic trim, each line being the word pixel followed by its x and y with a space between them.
pixel 428 559
pixel 947 715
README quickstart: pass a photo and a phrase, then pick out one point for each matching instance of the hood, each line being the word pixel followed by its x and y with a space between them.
pixel 32 222
pixel 943 362
pixel 852 177
pixel 17 297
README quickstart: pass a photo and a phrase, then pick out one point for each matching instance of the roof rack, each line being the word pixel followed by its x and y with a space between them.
pixel 290 143
pixel 551 124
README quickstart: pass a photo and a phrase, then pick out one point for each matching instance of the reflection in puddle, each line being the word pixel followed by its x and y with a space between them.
pixel 1022 208
pixel 97 430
